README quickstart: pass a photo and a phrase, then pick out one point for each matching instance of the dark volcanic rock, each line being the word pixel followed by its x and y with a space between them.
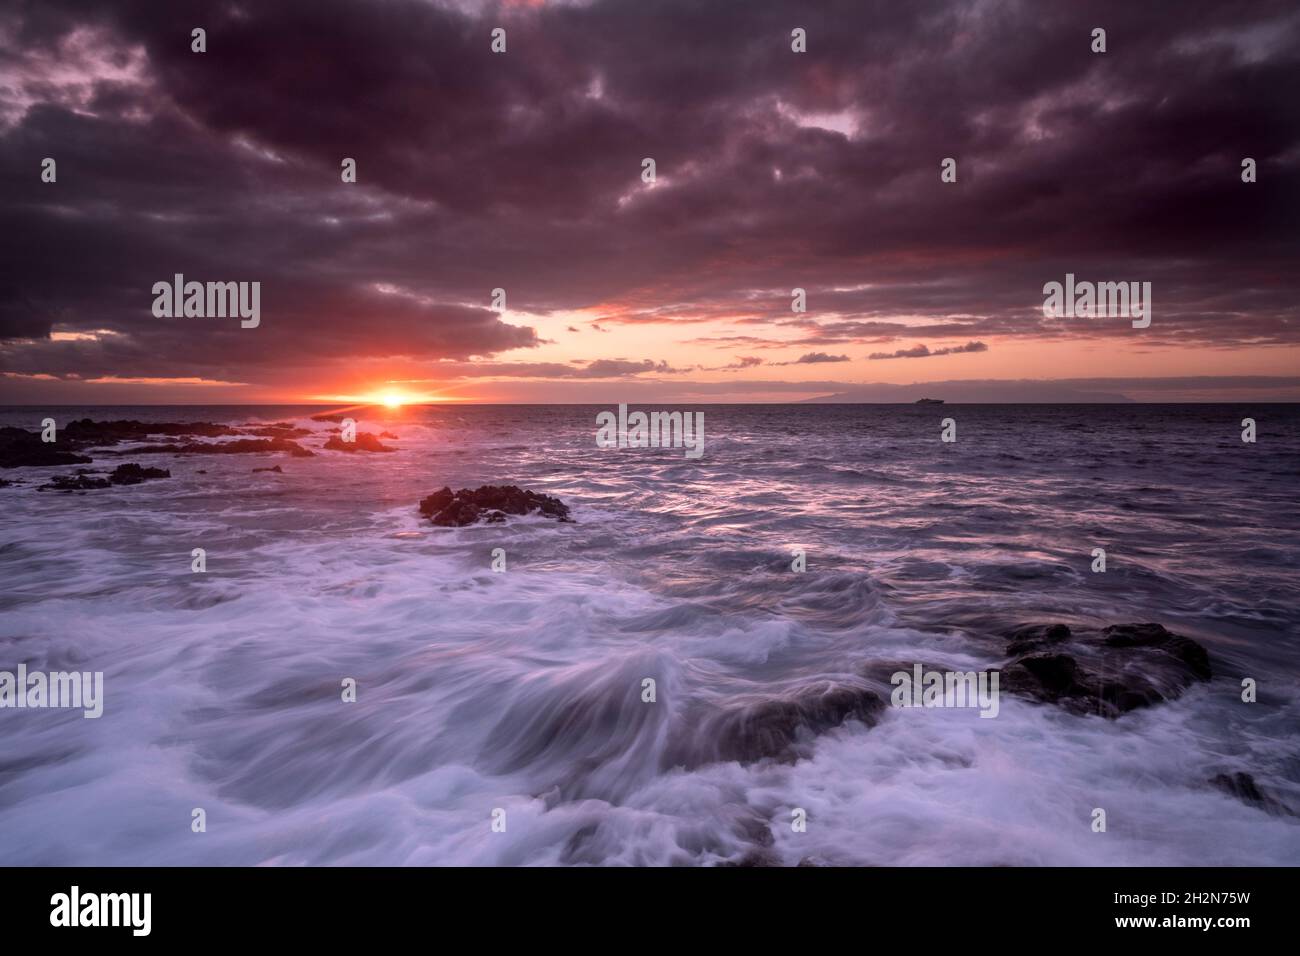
pixel 84 431
pixel 1184 649
pixel 74 483
pixel 1125 667
pixel 365 442
pixel 1035 636
pixel 1056 675
pixel 461 513
pixel 20 448
pixel 241 446
pixel 278 430
pixel 1244 788
pixel 776 728
pixel 275 468
pixel 489 503
pixel 129 474
pixel 132 474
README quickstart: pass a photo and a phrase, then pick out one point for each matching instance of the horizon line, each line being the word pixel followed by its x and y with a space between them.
pixel 809 402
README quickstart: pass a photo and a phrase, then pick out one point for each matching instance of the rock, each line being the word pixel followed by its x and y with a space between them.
pixel 777 728
pixel 1125 667
pixel 1056 674
pixel 1034 636
pixel 490 503
pixel 388 435
pixel 83 431
pixel 241 446
pixel 129 474
pixel 73 483
pixel 437 501
pixel 278 430
pixel 275 468
pixel 1184 649
pixel 20 448
pixel 328 417
pixel 365 442
pixel 1244 788
pixel 457 514
pixel 133 474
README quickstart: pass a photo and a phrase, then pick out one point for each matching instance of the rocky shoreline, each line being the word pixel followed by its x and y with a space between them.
pixel 79 441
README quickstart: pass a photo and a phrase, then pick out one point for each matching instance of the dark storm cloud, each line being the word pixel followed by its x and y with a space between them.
pixel 522 171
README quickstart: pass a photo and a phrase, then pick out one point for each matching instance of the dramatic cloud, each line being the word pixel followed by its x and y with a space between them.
pixel 522 171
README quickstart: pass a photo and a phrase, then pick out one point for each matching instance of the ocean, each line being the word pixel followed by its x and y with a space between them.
pixel 500 716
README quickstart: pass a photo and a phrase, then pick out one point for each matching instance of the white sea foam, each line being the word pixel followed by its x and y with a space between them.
pixel 521 690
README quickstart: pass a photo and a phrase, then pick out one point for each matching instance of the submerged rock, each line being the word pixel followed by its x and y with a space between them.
pixel 1035 636
pixel 1193 655
pixel 777 728
pixel 276 430
pixel 275 468
pixel 365 441
pixel 1125 667
pixel 490 503
pixel 128 474
pixel 241 446
pixel 74 483
pixel 1244 788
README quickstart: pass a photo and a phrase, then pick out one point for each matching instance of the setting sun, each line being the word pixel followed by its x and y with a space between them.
pixel 386 396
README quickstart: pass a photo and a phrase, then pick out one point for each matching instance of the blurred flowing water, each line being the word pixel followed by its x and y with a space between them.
pixel 521 690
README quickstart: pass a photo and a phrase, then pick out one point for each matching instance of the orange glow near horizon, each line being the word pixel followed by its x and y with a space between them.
pixel 389 396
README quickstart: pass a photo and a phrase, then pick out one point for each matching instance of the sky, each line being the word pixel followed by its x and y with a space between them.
pixel 523 171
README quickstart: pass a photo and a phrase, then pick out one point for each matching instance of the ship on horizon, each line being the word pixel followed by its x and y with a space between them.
pixel 929 401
